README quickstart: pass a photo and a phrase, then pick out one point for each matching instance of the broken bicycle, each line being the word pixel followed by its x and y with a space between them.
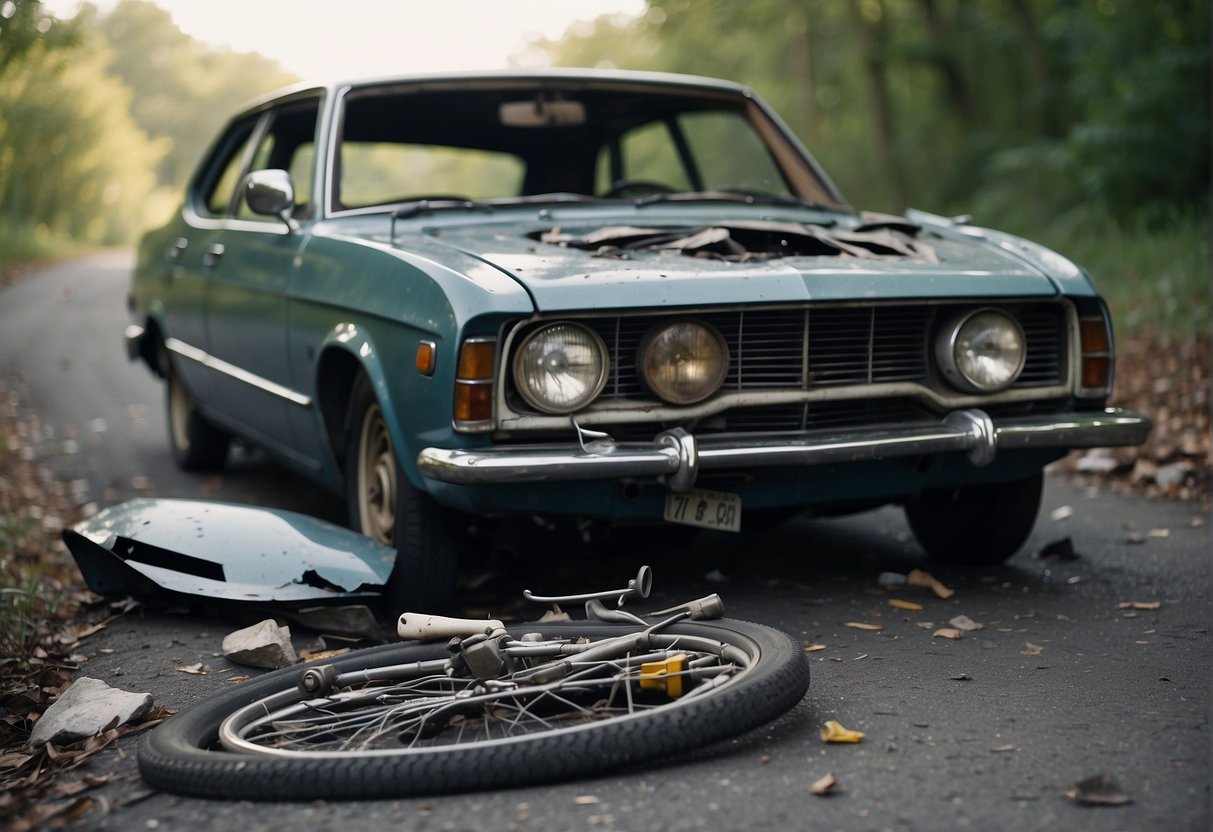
pixel 479 704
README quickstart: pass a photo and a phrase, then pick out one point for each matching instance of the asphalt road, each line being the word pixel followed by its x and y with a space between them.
pixel 987 732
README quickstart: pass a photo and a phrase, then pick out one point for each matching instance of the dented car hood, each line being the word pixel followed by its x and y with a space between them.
pixel 168 550
pixel 624 261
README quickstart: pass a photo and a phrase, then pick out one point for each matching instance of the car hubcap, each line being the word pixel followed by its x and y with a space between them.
pixel 376 478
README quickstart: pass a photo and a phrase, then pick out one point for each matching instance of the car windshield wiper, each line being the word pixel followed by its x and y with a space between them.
pixel 741 195
pixel 554 198
pixel 430 205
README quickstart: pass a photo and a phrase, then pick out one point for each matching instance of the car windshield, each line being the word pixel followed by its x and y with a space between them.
pixel 529 141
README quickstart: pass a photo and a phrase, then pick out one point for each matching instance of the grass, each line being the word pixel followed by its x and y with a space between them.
pixel 36 575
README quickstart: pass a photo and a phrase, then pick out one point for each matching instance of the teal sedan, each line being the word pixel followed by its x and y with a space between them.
pixel 620 299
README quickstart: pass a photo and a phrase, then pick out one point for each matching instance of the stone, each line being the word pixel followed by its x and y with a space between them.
pixel 264 645
pixel 85 709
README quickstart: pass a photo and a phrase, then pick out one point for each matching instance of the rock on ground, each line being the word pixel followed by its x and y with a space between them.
pixel 86 708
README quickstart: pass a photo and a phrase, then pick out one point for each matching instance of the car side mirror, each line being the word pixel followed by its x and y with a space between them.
pixel 271 193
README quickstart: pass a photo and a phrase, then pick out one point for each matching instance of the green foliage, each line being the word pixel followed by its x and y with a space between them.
pixel 102 119
pixel 181 89
pixel 71 159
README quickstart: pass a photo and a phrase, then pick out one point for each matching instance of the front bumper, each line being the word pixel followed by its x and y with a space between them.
pixel 677 456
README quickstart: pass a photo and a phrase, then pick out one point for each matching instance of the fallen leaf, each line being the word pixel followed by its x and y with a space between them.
pixel 1031 649
pixel 813 648
pixel 1002 749
pixel 905 605
pixel 587 800
pixel 832 731
pixel 863 625
pixel 824 785
pixel 963 622
pixel 927 625
pixel 918 577
pixel 1099 790
pixel 1160 533
pixel 1061 512
pixel 947 632
pixel 1139 605
pixel 194 669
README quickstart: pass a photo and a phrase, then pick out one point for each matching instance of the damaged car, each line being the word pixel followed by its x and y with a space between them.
pixel 625 298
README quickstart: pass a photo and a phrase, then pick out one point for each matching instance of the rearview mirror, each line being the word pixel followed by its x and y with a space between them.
pixel 541 112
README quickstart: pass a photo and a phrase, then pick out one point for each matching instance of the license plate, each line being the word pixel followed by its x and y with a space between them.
pixel 717 510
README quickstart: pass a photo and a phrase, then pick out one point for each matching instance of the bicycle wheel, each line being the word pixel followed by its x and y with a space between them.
pixel 422 732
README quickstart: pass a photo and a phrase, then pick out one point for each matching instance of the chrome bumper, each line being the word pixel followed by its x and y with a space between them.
pixel 133 336
pixel 678 457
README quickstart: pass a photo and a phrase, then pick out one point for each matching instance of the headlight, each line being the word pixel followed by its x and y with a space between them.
pixel 683 362
pixel 981 351
pixel 561 367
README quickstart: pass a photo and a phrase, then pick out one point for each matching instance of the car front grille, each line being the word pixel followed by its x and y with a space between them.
pixel 833 346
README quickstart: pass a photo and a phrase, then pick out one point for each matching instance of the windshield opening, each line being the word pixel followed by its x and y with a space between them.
pixel 506 142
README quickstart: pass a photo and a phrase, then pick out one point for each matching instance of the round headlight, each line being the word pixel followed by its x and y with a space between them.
pixel 981 351
pixel 683 362
pixel 561 367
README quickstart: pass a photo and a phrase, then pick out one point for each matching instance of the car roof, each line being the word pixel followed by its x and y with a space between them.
pixel 489 77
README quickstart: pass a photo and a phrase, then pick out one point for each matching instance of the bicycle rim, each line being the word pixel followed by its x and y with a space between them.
pixel 394 725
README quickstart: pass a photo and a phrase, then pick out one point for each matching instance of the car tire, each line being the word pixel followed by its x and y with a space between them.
pixel 976 524
pixel 196 444
pixel 386 507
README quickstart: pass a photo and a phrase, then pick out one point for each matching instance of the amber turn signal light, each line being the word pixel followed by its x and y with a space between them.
pixel 427 357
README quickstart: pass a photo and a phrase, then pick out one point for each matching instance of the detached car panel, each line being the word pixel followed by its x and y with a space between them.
pixel 617 296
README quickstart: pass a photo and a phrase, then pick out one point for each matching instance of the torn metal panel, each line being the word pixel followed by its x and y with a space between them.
pixel 755 240
pixel 165 552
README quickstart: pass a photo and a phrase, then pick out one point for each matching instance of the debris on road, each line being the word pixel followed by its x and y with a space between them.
pixel 863 625
pixel 948 632
pixel 1031 649
pixel 1139 605
pixel 87 708
pixel 1061 513
pixel 891 579
pixel 905 605
pixel 265 645
pixel 832 731
pixel 1098 790
pixel 926 580
pixel 966 624
pixel 824 785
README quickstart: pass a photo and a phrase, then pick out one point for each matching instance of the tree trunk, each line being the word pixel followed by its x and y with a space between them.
pixel 871 35
pixel 956 90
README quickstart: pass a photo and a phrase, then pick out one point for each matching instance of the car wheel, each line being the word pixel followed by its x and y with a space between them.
pixel 385 506
pixel 976 524
pixel 197 445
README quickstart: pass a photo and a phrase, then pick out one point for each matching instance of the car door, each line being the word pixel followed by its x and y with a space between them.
pixel 187 257
pixel 248 269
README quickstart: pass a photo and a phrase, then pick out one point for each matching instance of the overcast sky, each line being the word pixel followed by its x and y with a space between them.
pixel 319 39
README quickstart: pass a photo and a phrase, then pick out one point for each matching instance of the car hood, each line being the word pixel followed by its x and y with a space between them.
pixel 576 262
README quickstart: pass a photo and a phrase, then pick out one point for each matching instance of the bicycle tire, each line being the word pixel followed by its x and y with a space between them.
pixel 181 756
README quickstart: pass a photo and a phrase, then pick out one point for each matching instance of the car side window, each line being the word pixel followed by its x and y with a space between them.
pixel 222 174
pixel 287 144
